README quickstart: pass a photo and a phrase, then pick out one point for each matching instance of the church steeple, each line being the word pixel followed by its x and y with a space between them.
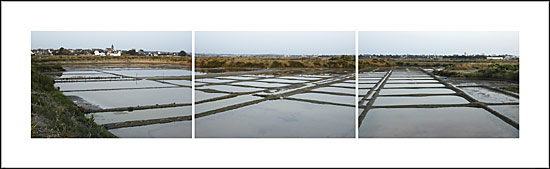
pixel 112 47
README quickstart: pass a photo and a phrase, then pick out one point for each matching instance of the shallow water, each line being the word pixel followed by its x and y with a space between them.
pixel 343 84
pixel 510 111
pixel 93 80
pixel 366 85
pixel 260 84
pixel 280 118
pixel 486 95
pixel 179 82
pixel 282 80
pixel 349 81
pixel 369 78
pixel 180 129
pixel 364 91
pixel 151 72
pixel 213 105
pixel 415 91
pixel 412 81
pixel 122 116
pixel 94 75
pixel 369 82
pixel 350 100
pixel 212 80
pixel 434 122
pixel 109 85
pixel 388 100
pixel 70 72
pixel 318 76
pixel 414 85
pixel 335 90
pixel 200 95
pixel 299 78
pixel 365 103
pixel 135 97
pixel 236 77
pixel 228 88
pixel 259 75
pixel 410 78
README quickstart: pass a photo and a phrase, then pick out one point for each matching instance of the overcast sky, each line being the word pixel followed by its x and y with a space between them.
pixel 275 42
pixel 169 41
pixel 439 42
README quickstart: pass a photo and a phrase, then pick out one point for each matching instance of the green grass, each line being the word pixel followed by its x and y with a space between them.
pixel 481 68
pixel 497 71
pixel 53 114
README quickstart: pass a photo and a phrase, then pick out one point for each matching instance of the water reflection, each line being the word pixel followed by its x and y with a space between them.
pixel 280 118
pixel 434 122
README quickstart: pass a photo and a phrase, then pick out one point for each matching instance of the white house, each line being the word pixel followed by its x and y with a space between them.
pixel 118 53
pixel 97 53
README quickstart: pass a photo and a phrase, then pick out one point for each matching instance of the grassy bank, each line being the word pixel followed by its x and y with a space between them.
pixel 458 68
pixel 345 61
pixel 53 114
pixel 494 71
pixel 449 64
pixel 89 59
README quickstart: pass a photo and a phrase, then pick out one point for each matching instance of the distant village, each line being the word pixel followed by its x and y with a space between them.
pixel 453 56
pixel 104 52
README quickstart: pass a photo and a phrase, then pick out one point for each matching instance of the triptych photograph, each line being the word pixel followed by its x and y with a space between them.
pixel 274 84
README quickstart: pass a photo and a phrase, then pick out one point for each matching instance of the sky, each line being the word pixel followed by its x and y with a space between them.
pixel 168 41
pixel 275 42
pixel 439 42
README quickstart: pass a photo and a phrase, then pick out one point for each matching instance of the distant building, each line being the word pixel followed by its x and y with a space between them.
pixel 466 53
pixel 108 52
pixel 98 53
pixel 495 58
pixel 114 53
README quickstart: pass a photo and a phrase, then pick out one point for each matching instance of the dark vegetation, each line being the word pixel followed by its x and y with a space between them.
pixel 344 61
pixel 459 68
pixel 494 71
pixel 512 89
pixel 90 59
pixel 53 114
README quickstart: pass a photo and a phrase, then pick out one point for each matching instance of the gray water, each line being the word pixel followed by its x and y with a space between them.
pixel 109 85
pixel 151 72
pixel 234 89
pixel 212 80
pixel 336 90
pixel 213 105
pixel 387 100
pixel 434 122
pixel 280 118
pixel 122 116
pixel 135 97
pixel 486 95
pixel 180 129
pixel 260 84
pixel 415 91
pixel 510 111
pixel 350 100
pixel 200 95
pixel 282 80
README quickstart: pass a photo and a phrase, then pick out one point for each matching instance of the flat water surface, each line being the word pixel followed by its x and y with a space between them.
pixel 280 119
pixel 434 122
